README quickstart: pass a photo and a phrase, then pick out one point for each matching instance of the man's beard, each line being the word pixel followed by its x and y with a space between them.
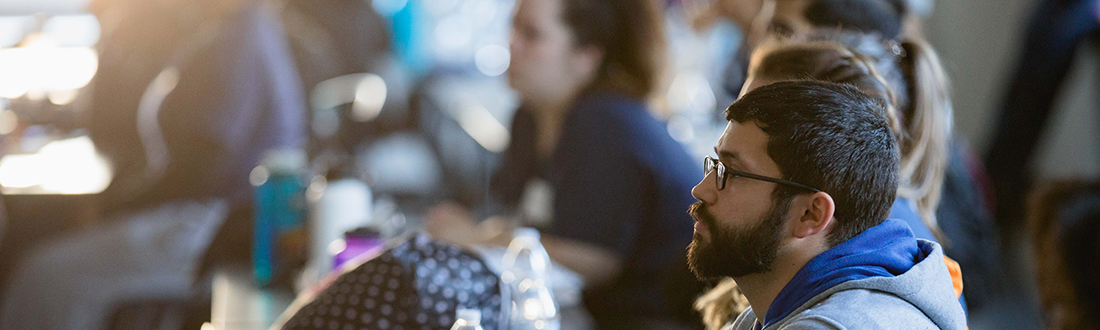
pixel 735 252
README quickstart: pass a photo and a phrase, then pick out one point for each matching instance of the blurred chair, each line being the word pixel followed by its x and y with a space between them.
pixel 350 128
pixel 466 118
pixel 331 38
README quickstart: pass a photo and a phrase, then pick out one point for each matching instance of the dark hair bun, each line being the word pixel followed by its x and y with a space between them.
pixel 868 16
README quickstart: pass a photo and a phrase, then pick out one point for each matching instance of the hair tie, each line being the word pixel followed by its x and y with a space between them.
pixel 895 48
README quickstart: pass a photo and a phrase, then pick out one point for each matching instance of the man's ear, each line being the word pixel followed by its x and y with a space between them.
pixel 817 214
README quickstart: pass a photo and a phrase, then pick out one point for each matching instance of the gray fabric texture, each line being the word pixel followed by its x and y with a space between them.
pixel 921 298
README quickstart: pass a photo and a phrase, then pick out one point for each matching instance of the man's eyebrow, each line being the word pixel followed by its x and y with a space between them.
pixel 733 158
pixel 726 154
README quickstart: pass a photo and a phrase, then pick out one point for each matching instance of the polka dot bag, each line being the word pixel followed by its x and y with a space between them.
pixel 416 285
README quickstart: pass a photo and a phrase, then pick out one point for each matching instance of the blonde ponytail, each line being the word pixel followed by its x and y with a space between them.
pixel 927 131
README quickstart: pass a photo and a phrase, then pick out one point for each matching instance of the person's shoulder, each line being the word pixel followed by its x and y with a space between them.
pixel 860 309
pixel 622 125
pixel 610 103
pixel 614 119
pixel 611 109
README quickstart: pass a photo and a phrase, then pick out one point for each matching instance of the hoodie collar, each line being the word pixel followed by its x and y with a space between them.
pixel 886 250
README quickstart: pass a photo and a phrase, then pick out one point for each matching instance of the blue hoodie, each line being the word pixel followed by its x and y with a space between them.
pixel 882 278
pixel 904 209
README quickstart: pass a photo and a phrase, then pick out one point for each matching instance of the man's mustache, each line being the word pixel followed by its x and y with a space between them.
pixel 698 210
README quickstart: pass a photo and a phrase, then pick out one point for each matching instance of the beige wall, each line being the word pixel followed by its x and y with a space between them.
pixel 979 41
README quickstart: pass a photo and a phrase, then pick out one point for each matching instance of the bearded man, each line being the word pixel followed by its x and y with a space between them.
pixel 795 208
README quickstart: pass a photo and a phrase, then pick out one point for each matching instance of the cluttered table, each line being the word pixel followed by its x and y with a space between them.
pixel 239 304
pixel 237 301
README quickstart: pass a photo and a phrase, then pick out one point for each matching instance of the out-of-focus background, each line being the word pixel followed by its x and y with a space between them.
pixel 979 42
pixel 410 97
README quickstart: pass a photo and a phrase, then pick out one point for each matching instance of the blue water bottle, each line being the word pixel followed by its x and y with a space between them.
pixel 280 237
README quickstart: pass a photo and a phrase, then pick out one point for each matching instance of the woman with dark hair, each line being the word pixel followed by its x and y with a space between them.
pixel 584 70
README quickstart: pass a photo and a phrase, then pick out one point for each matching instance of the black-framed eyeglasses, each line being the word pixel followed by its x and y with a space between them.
pixel 711 164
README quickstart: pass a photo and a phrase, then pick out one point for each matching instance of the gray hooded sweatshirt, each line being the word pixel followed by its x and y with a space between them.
pixel 920 298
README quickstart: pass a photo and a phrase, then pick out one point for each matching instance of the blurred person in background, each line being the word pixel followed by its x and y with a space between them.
pixel 584 71
pixel 758 18
pixel 955 207
pixel 1055 31
pixel 1064 224
pixel 804 17
pixel 795 210
pixel 187 97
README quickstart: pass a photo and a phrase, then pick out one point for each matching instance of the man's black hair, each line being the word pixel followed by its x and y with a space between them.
pixel 831 137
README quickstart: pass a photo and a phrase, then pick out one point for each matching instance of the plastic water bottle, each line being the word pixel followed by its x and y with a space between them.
pixel 526 271
pixel 343 205
pixel 468 319
pixel 280 233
